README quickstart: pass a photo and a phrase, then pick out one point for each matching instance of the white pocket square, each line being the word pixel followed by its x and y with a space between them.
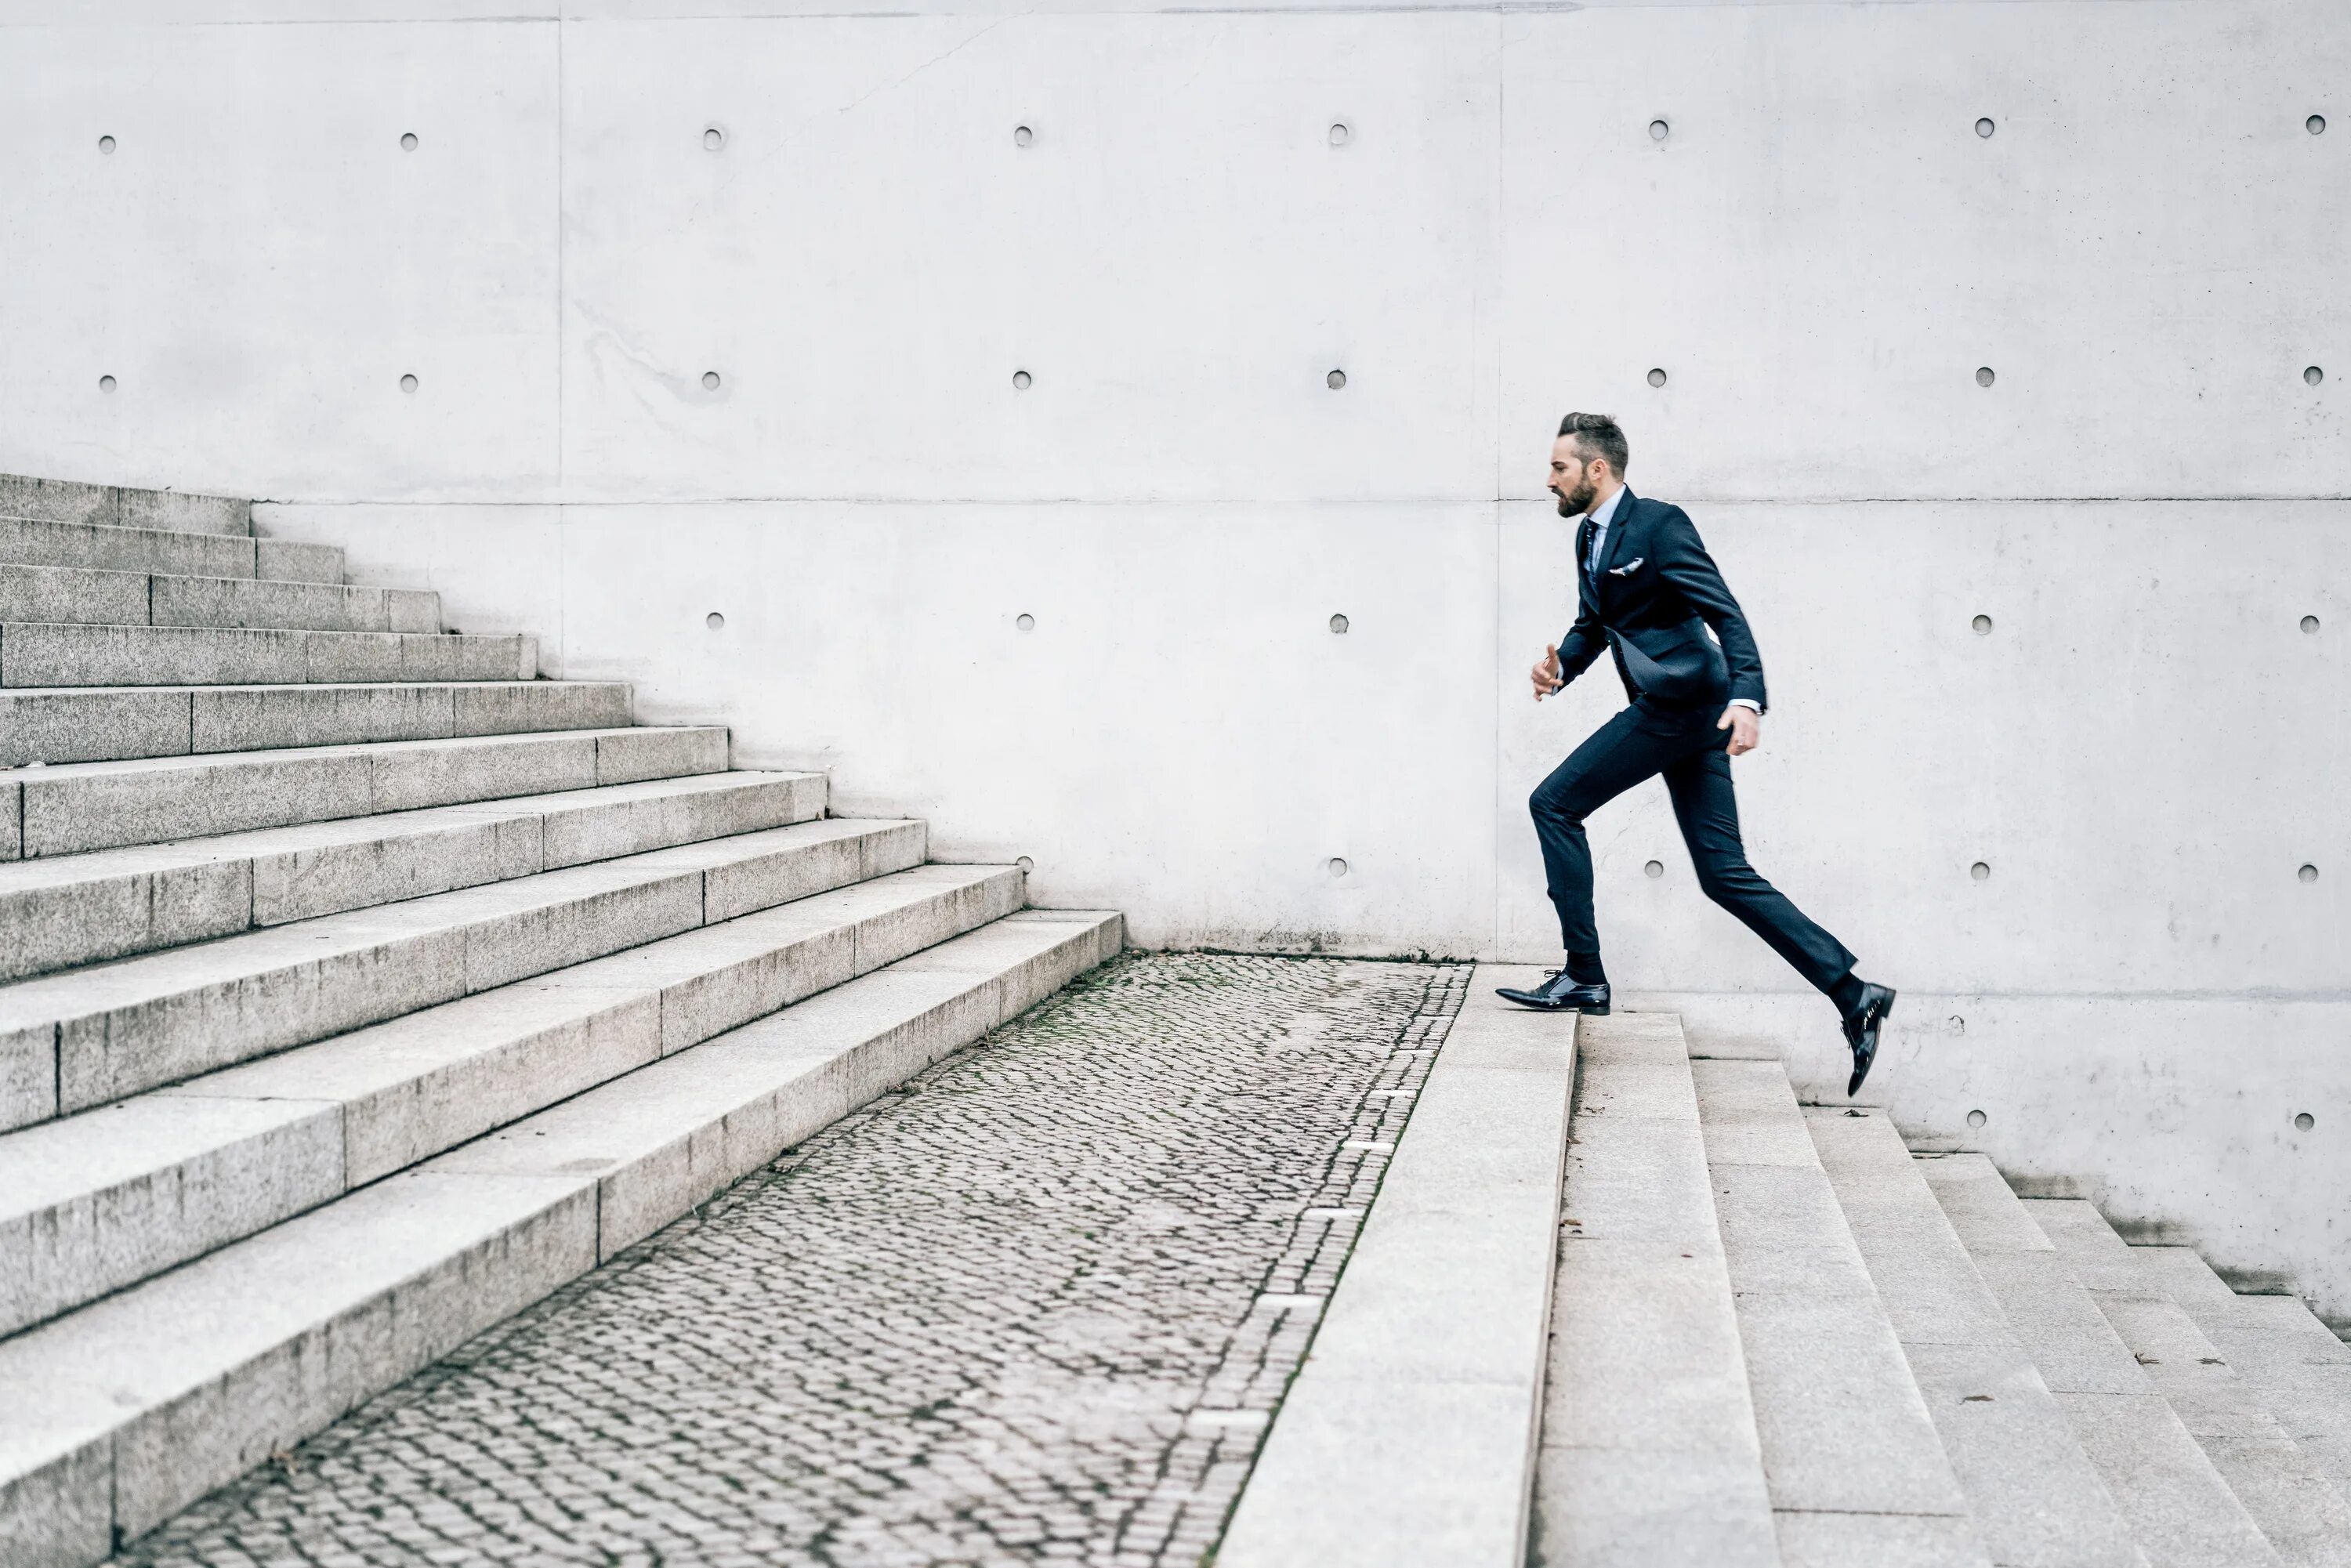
pixel 1629 568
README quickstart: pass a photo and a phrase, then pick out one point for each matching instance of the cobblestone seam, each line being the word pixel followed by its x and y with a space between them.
pixel 1036 1307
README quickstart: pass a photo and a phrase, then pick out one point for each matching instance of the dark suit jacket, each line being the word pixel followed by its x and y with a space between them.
pixel 1657 594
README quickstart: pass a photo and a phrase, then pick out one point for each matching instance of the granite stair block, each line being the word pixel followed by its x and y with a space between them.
pixel 129 1408
pixel 61 911
pixel 1852 1457
pixel 118 1028
pixel 2181 1511
pixel 80 807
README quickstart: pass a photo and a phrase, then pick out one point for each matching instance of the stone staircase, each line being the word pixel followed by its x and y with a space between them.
pixel 1780 1337
pixel 358 988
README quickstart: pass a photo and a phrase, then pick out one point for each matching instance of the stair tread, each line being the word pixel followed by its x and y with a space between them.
pixel 97 1200
pixel 1649 1451
pixel 136 1023
pixel 2180 1509
pixel 67 910
pixel 88 724
pixel 2034 1495
pixel 32 496
pixel 44 541
pixel 79 656
pixel 2288 1496
pixel 88 595
pixel 1844 1427
pixel 130 1407
pixel 61 871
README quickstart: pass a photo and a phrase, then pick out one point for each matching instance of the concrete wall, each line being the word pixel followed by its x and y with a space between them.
pixel 1819 253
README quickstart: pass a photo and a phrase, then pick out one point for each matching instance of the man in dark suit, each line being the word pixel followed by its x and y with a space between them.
pixel 1649 593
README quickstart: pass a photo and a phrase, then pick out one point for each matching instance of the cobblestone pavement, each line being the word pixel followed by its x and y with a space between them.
pixel 1034 1308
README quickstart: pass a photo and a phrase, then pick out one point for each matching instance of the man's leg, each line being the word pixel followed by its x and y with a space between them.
pixel 1708 811
pixel 1619 755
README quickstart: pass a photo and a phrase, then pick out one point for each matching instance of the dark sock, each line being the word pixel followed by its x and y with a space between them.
pixel 1585 969
pixel 1846 993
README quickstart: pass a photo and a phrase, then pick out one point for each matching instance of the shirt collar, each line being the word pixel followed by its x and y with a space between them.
pixel 1601 514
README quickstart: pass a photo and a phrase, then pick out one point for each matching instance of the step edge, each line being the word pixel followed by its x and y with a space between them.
pixel 104 1445
pixel 936 902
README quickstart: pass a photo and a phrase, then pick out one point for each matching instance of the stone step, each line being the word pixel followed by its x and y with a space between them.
pixel 56 913
pixel 122 505
pixel 79 807
pixel 2036 1499
pixel 98 1201
pixel 125 1411
pixel 96 724
pixel 2302 1371
pixel 1852 1457
pixel 39 654
pixel 2181 1511
pixel 1649 1454
pixel 2288 1496
pixel 28 541
pixel 59 594
pixel 82 1038
pixel 1407 1437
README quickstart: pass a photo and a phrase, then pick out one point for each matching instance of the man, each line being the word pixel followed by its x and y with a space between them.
pixel 1648 591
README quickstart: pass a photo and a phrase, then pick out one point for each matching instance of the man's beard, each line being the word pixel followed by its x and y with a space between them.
pixel 1572 503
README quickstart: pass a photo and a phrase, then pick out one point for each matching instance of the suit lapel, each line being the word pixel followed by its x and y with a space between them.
pixel 1612 548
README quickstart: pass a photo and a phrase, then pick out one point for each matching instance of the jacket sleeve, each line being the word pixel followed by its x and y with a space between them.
pixel 1682 561
pixel 1582 643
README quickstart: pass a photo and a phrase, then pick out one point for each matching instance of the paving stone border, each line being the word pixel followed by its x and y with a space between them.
pixel 1036 1306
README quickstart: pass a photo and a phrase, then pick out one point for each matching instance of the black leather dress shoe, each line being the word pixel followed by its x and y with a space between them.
pixel 1558 994
pixel 1860 1031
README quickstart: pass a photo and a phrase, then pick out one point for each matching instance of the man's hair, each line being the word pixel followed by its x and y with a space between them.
pixel 1598 435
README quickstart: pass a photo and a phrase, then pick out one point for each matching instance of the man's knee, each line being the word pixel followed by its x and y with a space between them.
pixel 1548 804
pixel 1729 880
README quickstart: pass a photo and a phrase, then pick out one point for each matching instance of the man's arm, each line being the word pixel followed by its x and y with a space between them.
pixel 1582 643
pixel 1682 561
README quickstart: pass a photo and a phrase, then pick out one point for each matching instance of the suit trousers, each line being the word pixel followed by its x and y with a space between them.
pixel 1683 744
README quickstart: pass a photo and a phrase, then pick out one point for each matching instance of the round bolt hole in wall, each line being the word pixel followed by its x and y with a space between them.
pixel 1026 866
pixel 1660 131
pixel 2307 874
pixel 1022 136
pixel 1982 624
pixel 1021 380
pixel 408 141
pixel 1339 134
pixel 714 620
pixel 1980 871
pixel 2310 625
pixel 1339 624
pixel 714 139
pixel 1653 869
pixel 1337 866
pixel 1977 1118
pixel 106 383
pixel 2311 375
pixel 2304 1122
pixel 1027 622
pixel 106 144
pixel 1657 378
pixel 1335 379
pixel 1984 377
pixel 1984 127
pixel 710 380
pixel 2315 125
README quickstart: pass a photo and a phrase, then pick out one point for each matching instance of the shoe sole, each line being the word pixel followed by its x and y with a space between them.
pixel 1600 1011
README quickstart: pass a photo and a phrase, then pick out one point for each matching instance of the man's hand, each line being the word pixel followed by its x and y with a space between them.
pixel 1746 733
pixel 1546 673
